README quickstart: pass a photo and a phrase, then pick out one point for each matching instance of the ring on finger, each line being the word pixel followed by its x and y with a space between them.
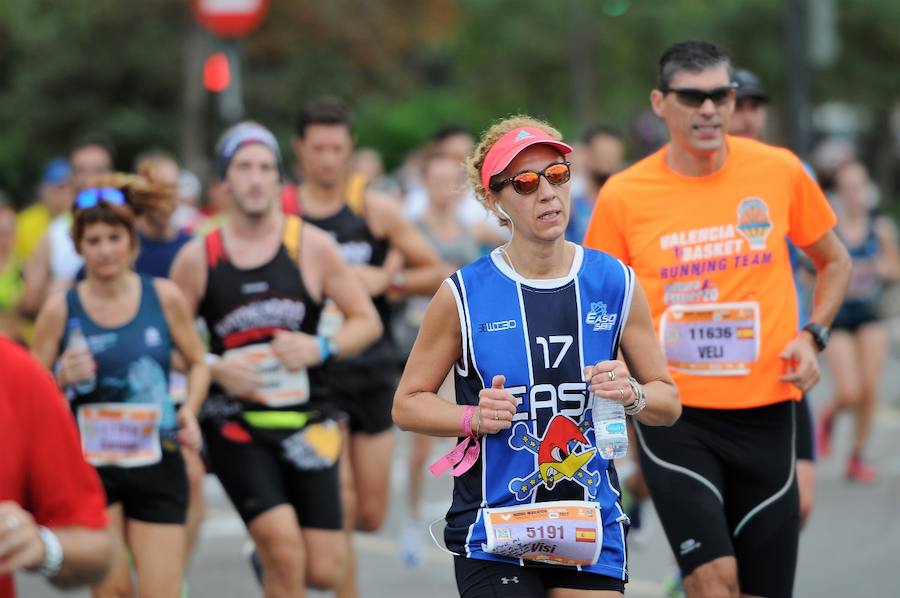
pixel 12 522
pixel 611 374
pixel 497 414
pixel 622 392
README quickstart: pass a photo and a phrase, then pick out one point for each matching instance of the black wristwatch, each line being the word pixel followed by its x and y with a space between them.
pixel 820 334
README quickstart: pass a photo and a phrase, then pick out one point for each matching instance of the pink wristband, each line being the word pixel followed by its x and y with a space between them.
pixel 464 455
pixel 468 414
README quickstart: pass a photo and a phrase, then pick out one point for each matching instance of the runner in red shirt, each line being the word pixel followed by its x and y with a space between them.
pixel 52 507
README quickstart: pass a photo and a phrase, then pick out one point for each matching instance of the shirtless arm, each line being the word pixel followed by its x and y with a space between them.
pixel 321 259
pixel 889 264
pixel 832 263
pixel 48 330
pixel 417 407
pixel 189 273
pixel 88 553
pixel 37 280
pixel 424 270
pixel 186 341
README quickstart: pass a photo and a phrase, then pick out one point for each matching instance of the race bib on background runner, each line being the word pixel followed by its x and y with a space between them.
pixel 121 434
pixel 557 532
pixel 711 339
pixel 280 387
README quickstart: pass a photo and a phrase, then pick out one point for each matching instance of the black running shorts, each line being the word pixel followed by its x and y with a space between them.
pixel 366 396
pixel 478 578
pixel 155 493
pixel 258 476
pixel 806 448
pixel 723 484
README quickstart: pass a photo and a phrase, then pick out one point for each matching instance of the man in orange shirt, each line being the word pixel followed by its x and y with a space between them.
pixel 703 222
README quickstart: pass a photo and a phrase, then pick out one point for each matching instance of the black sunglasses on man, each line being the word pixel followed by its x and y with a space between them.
pixel 694 98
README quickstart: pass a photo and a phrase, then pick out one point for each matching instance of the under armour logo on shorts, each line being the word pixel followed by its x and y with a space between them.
pixel 509 580
pixel 689 545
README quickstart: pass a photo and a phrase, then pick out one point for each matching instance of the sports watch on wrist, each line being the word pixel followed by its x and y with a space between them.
pixel 819 333
pixel 53 553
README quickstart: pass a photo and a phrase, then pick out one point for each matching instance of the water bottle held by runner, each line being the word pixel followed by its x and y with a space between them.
pixel 609 427
pixel 78 342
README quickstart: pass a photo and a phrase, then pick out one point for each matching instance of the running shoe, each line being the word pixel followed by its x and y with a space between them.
pixel 673 585
pixel 857 471
pixel 411 545
pixel 823 436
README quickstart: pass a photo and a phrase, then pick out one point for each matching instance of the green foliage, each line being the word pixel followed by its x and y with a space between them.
pixel 82 66
pixel 406 66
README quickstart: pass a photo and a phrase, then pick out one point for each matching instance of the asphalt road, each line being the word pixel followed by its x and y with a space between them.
pixel 850 546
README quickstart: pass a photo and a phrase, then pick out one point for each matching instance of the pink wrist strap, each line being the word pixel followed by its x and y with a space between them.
pixel 465 454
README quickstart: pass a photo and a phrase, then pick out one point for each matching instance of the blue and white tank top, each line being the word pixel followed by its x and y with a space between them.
pixel 540 334
pixel 132 359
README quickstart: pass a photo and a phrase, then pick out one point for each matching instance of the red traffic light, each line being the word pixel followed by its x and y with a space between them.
pixel 216 73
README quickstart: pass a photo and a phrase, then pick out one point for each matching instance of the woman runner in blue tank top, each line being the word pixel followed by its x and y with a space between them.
pixel 856 351
pixel 532 332
pixel 111 339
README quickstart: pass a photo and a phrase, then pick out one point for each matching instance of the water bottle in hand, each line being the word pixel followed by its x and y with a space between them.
pixel 609 427
pixel 78 342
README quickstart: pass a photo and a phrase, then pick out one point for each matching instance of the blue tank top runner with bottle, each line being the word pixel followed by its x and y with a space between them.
pixel 132 359
pixel 539 334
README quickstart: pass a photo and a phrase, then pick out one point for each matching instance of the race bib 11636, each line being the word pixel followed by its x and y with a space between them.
pixel 711 339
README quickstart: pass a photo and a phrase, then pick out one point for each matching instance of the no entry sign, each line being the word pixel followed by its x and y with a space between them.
pixel 231 18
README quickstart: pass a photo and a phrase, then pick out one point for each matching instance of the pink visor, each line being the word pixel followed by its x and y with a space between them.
pixel 510 145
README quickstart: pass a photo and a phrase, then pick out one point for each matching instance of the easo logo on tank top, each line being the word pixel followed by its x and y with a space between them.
pixel 600 318
pixel 152 337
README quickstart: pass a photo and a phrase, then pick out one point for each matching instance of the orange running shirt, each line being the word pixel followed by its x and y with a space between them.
pixel 710 253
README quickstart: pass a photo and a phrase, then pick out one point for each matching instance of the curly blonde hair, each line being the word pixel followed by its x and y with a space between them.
pixel 492 136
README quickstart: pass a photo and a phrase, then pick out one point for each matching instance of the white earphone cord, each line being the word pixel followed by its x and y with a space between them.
pixel 512 231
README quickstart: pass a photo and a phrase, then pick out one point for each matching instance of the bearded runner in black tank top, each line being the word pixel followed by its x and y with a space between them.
pixel 268 454
pixel 361 386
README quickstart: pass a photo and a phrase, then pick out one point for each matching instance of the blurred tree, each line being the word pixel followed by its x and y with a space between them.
pixel 86 65
pixel 406 66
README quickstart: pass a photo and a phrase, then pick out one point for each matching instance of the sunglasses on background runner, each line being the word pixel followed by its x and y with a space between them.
pixel 527 182
pixel 89 198
pixel 694 98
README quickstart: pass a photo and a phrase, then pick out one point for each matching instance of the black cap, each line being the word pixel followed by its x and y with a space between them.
pixel 749 85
